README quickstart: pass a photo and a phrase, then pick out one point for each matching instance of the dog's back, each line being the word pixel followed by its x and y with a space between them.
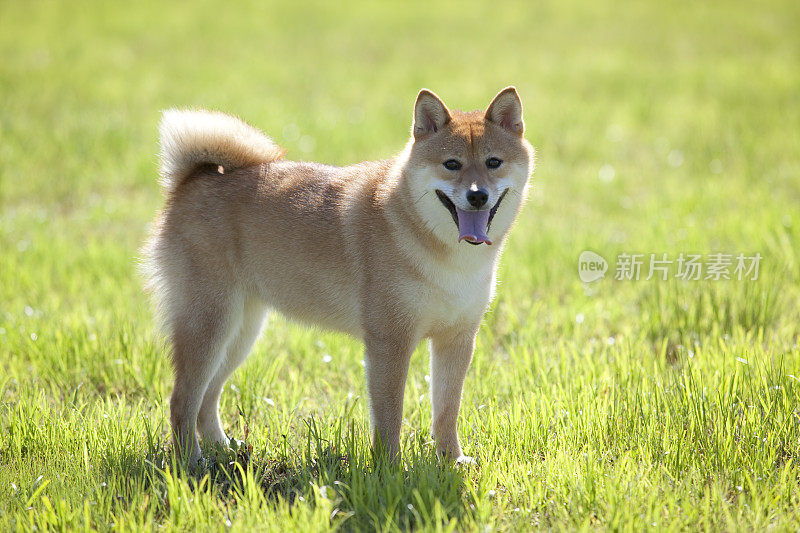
pixel 239 219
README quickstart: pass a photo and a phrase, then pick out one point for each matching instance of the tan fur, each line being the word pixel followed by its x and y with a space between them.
pixel 192 138
pixel 367 249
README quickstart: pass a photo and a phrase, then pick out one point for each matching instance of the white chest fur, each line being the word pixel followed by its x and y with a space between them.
pixel 455 293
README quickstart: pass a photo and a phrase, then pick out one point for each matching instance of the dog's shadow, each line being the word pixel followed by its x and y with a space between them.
pixel 362 490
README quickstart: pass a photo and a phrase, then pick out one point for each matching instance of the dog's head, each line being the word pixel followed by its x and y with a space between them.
pixel 468 172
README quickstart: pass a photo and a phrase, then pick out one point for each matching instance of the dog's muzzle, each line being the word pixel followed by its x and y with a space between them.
pixel 473 224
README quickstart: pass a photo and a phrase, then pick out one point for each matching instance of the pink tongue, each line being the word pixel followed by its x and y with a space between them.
pixel 472 225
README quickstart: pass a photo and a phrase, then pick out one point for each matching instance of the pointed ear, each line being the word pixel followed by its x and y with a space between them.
pixel 506 111
pixel 430 114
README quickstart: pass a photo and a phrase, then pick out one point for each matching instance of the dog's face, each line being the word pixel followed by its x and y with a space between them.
pixel 468 172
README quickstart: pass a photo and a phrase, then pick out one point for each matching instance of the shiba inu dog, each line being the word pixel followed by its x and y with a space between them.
pixel 391 251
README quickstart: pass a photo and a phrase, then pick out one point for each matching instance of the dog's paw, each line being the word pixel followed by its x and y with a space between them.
pixel 466 460
pixel 235 444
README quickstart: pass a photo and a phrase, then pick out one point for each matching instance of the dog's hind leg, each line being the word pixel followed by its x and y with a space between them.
pixel 201 331
pixel 208 423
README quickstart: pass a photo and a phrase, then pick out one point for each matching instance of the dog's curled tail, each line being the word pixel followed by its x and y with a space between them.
pixel 192 138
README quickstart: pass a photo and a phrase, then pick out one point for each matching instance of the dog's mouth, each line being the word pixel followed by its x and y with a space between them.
pixel 473 225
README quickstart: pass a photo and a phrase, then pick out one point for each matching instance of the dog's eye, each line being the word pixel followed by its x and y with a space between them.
pixel 493 162
pixel 452 164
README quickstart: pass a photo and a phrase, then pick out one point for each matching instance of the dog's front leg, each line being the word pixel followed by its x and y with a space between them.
pixel 451 354
pixel 387 366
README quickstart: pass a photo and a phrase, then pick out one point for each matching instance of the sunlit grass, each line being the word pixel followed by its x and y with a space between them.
pixel 614 405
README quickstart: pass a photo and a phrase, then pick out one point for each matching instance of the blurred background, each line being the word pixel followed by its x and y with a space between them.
pixel 669 128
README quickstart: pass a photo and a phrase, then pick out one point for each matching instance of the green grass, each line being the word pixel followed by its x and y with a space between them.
pixel 618 405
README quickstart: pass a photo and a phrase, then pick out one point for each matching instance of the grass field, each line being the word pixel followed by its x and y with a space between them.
pixel 661 127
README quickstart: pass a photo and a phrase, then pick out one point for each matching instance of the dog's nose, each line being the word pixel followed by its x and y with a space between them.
pixel 478 197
